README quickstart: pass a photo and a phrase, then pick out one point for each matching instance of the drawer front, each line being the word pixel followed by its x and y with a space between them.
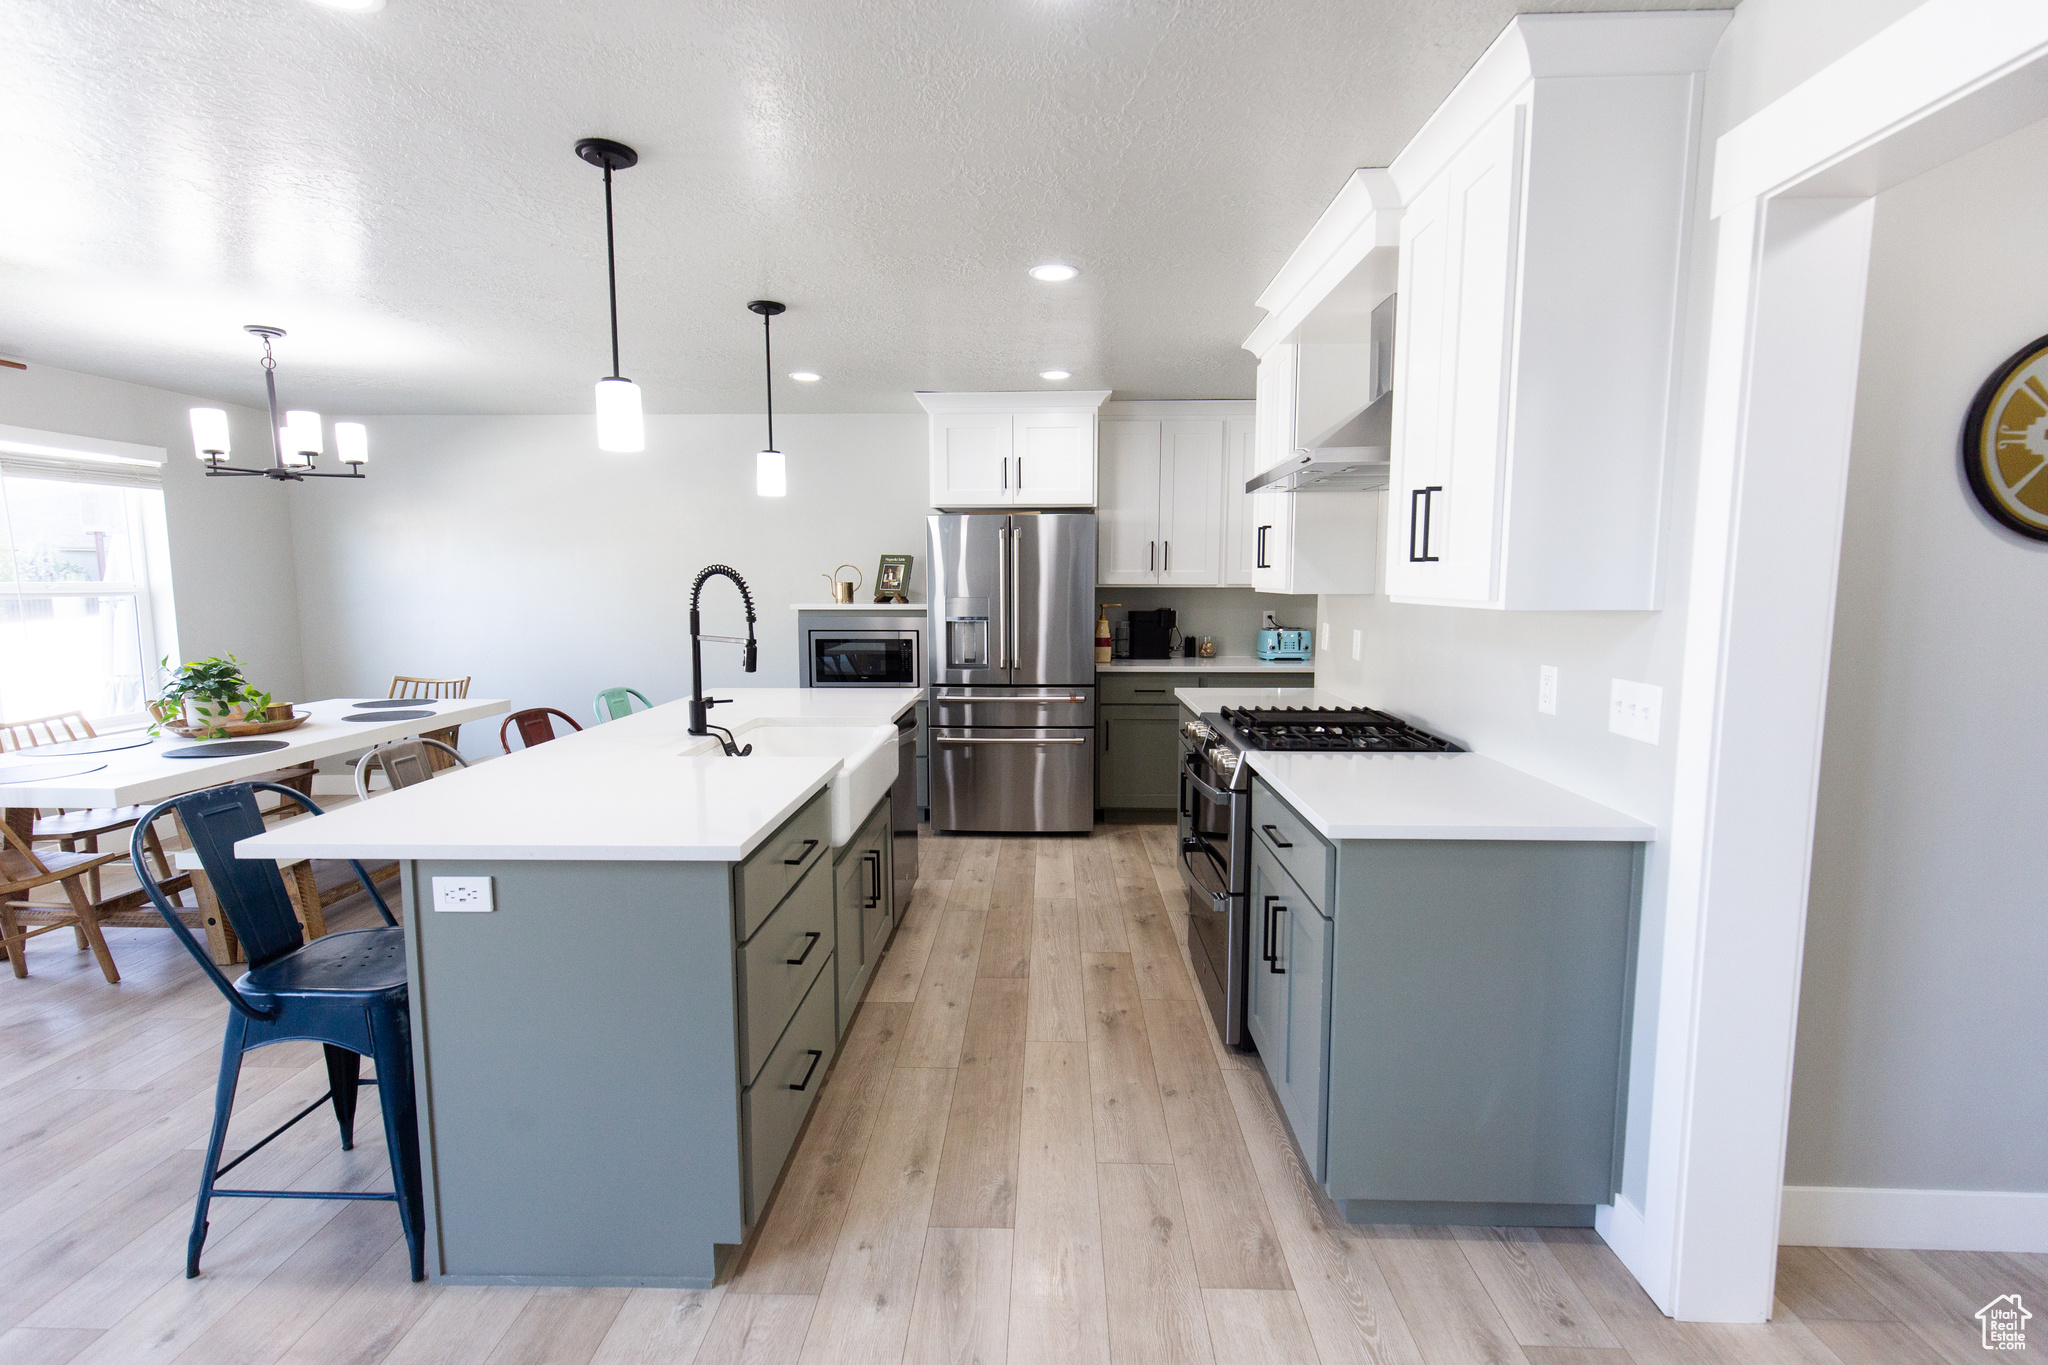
pixel 779 963
pixel 1294 842
pixel 1305 678
pixel 780 863
pixel 773 1108
pixel 957 707
pixel 1152 688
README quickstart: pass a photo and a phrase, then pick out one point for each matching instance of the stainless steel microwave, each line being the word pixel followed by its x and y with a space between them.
pixel 860 653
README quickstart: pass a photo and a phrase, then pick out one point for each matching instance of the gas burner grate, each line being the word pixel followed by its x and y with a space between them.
pixel 1332 730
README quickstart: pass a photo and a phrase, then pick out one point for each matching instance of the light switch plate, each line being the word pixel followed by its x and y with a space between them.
pixel 1546 689
pixel 1358 644
pixel 471 894
pixel 1635 709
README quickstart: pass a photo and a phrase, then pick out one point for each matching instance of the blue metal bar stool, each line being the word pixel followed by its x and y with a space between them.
pixel 345 991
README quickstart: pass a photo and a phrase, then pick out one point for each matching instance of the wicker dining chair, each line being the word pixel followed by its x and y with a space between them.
pixel 432 689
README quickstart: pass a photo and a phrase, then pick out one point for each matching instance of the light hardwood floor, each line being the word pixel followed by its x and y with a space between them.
pixel 1032 1149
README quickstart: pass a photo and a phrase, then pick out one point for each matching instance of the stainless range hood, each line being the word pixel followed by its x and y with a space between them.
pixel 1354 457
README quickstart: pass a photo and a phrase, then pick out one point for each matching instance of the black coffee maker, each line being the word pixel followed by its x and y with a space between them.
pixel 1152 633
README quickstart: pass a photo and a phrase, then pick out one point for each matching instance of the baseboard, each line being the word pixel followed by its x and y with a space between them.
pixel 1916 1220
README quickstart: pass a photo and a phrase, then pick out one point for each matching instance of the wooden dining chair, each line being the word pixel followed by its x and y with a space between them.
pixel 23 869
pixel 536 726
pixel 76 831
pixel 616 703
pixel 431 689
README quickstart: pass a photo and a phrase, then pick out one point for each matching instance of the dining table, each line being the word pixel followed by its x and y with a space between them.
pixel 139 768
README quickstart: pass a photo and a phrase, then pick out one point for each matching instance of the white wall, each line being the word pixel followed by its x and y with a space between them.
pixel 511 550
pixel 1473 674
pixel 1231 617
pixel 231 545
pixel 1922 1056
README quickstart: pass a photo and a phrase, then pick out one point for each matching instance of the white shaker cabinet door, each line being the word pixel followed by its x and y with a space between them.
pixel 1240 537
pixel 971 459
pixel 1127 518
pixel 1191 502
pixel 1055 459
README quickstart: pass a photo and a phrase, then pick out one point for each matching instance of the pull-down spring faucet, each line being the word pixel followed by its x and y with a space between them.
pixel 700 705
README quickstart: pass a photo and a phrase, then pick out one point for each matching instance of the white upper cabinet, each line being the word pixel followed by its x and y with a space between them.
pixel 1304 542
pixel 1240 531
pixel 1168 503
pixel 1543 249
pixel 1013 449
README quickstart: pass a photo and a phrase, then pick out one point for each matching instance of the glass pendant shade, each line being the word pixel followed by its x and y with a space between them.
pixel 210 433
pixel 301 438
pixel 352 443
pixel 771 475
pixel 620 426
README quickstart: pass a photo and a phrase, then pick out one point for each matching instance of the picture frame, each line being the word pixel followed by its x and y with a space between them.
pixel 892 578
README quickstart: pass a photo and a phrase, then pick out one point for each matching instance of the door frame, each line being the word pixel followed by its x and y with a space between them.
pixel 1792 202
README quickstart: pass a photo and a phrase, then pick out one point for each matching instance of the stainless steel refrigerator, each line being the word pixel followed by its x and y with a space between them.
pixel 1012 649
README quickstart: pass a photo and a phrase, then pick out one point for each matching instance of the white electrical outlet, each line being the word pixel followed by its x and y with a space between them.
pixel 1325 641
pixel 1357 644
pixel 1546 689
pixel 1635 710
pixel 463 893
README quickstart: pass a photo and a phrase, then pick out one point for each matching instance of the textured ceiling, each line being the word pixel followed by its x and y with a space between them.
pixel 399 191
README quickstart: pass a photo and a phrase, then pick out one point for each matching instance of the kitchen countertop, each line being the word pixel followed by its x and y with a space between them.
pixel 1416 796
pixel 1222 663
pixel 621 791
pixel 915 607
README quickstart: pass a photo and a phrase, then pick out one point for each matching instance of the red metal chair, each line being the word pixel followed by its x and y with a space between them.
pixel 535 727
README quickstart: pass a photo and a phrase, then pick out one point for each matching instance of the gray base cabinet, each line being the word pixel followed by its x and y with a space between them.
pixel 1445 1022
pixel 614 1063
pixel 863 881
pixel 1137 743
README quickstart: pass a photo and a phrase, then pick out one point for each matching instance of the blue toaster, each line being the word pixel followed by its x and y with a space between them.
pixel 1293 646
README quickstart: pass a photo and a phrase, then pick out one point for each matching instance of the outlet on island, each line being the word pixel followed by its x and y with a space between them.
pixel 471 894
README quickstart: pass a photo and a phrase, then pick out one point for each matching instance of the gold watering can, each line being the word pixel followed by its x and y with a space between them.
pixel 843 591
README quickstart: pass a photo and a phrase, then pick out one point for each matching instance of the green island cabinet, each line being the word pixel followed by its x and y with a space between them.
pixel 1137 744
pixel 615 1063
pixel 1445 1021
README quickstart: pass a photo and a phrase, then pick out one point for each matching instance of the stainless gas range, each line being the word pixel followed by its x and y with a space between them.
pixel 1216 825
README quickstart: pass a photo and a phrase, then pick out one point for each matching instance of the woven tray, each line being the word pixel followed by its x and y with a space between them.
pixel 242 728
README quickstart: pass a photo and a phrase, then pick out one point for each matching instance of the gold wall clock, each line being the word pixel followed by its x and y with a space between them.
pixel 2005 442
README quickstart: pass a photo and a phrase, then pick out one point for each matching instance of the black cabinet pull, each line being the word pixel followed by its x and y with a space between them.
pixel 1266 929
pixel 1426 497
pixel 798 860
pixel 1151 554
pixel 798 960
pixel 1165 556
pixel 1273 958
pixel 812 1070
pixel 875 878
pixel 1181 805
pixel 1278 842
pixel 1262 564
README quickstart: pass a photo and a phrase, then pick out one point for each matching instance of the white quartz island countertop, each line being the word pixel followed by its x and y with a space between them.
pixel 1416 796
pixel 621 791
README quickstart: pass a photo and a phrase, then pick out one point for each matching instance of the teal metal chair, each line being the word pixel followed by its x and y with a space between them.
pixel 616 703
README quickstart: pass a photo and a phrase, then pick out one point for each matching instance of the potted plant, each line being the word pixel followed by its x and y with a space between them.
pixel 208 696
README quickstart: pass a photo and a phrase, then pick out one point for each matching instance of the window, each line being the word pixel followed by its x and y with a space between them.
pixel 85 601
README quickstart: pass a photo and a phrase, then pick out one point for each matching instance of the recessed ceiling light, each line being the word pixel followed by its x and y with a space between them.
pixel 352 6
pixel 1053 274
pixel 1054 374
pixel 803 376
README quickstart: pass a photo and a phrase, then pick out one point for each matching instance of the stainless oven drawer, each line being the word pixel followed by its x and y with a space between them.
pixel 1020 781
pixel 1038 707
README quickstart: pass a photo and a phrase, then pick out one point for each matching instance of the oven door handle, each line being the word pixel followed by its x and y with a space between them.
pixel 1187 771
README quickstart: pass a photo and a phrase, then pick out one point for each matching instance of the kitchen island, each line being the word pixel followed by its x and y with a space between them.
pixel 622 1014
pixel 1439 955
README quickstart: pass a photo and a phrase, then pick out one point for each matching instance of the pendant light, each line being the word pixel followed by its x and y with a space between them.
pixel 771 475
pixel 620 426
pixel 293 442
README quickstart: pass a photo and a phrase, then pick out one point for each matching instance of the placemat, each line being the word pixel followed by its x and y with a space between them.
pixel 99 744
pixel 392 701
pixel 228 748
pixel 375 716
pixel 44 772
